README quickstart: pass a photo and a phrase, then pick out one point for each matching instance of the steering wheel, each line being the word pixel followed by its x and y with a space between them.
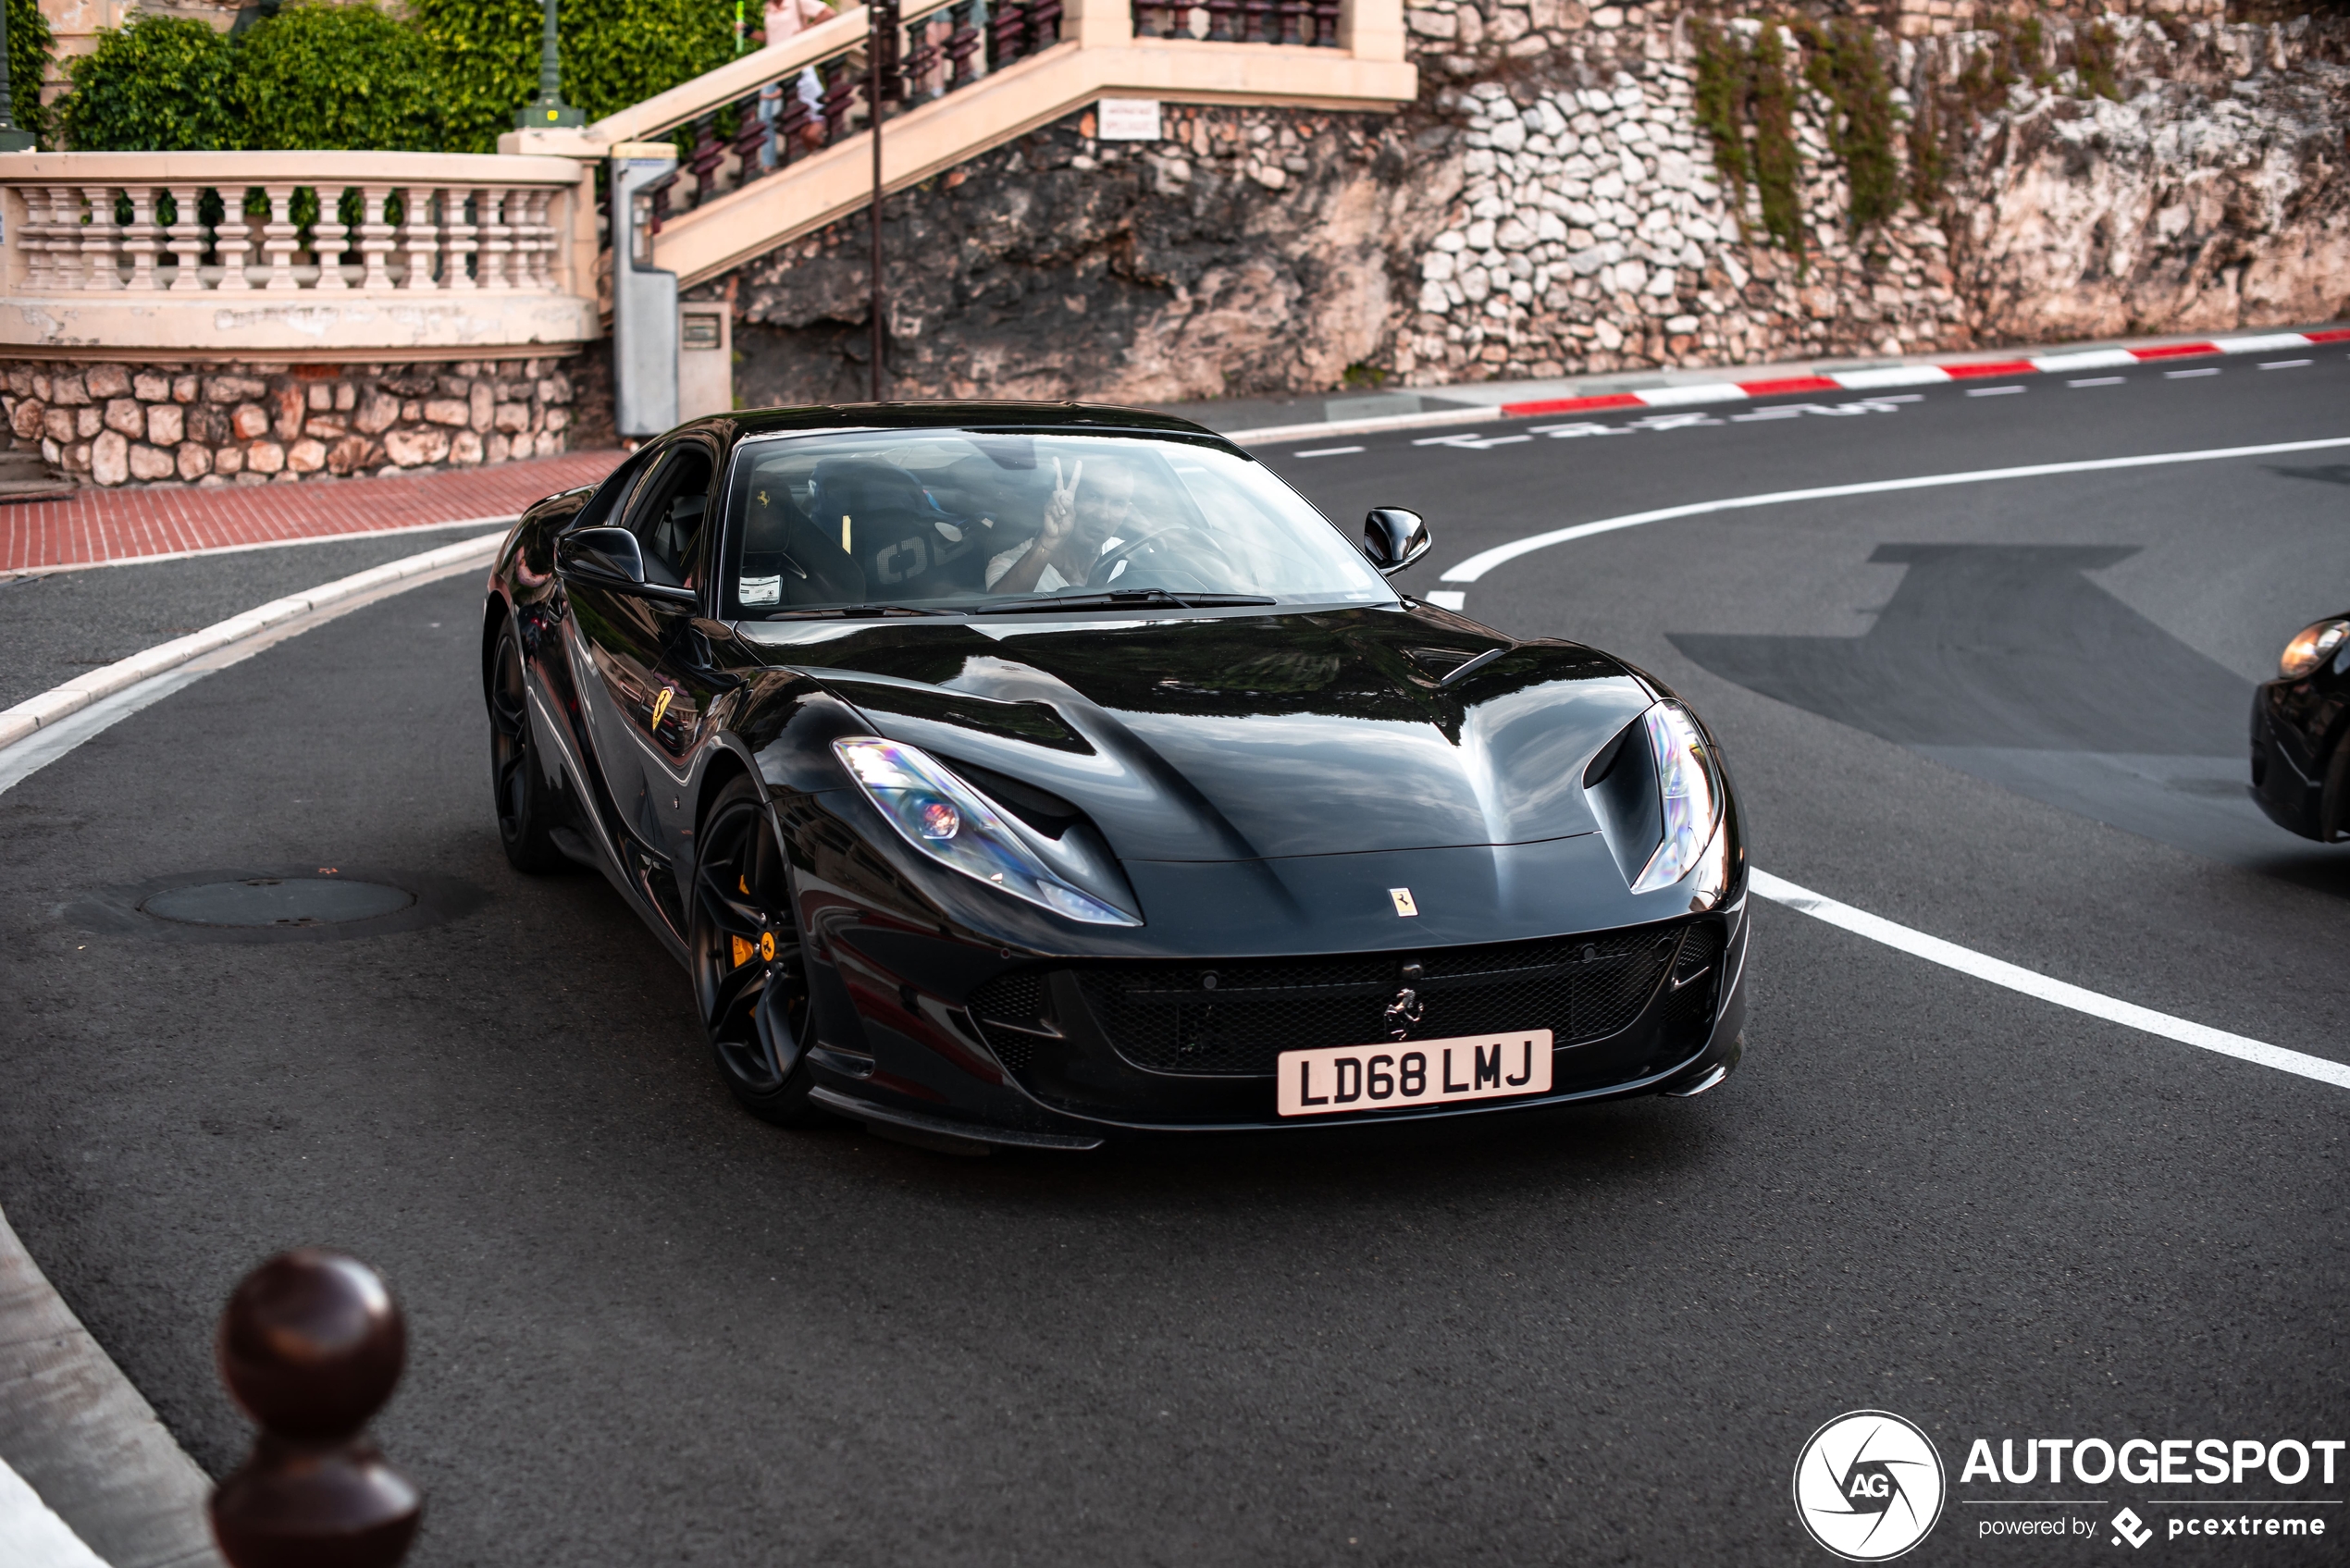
pixel 1163 560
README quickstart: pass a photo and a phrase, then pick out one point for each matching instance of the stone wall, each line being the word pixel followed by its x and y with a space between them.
pixel 112 424
pixel 1552 208
pixel 1252 248
pixel 2213 197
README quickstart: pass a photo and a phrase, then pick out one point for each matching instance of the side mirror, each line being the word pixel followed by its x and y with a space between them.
pixel 1393 538
pixel 603 553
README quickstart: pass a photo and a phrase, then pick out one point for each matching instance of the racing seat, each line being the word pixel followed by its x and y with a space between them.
pixel 788 561
pixel 880 516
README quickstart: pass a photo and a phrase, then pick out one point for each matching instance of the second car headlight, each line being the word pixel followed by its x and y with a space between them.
pixel 2309 646
pixel 1691 786
pixel 949 822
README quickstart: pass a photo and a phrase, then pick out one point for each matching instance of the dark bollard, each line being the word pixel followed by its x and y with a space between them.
pixel 310 1347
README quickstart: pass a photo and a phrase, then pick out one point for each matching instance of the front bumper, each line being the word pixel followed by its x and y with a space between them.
pixel 1084 1050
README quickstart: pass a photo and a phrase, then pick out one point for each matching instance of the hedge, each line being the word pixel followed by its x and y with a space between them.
pixel 337 75
pixel 323 75
pixel 162 83
pixel 614 52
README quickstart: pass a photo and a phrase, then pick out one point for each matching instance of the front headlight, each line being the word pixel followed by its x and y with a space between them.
pixel 1690 785
pixel 2309 646
pixel 947 820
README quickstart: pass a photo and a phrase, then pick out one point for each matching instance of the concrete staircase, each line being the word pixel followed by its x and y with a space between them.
pixel 740 209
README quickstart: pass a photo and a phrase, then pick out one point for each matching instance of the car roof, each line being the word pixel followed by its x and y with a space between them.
pixel 948 416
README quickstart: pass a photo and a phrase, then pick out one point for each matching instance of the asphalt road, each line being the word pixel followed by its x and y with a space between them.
pixel 647 1329
pixel 55 625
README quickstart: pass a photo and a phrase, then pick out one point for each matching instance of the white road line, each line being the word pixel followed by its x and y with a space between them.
pixel 1327 451
pixel 1966 960
pixel 2287 364
pixel 72 714
pixel 1478 565
pixel 33 1537
pixel 2099 381
pixel 2189 374
pixel 36 713
pixel 1992 391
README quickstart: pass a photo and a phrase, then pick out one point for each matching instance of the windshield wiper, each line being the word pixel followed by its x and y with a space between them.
pixel 1116 598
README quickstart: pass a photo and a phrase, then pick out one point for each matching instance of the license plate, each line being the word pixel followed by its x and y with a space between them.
pixel 1418 1072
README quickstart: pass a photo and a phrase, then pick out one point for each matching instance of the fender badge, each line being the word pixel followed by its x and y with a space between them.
pixel 661 704
pixel 1404 904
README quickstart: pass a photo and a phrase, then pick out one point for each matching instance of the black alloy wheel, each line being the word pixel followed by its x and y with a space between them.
pixel 518 786
pixel 750 977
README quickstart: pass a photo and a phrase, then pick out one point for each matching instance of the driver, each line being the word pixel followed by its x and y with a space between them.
pixel 1077 532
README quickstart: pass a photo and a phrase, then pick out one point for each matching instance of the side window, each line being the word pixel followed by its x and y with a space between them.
pixel 603 507
pixel 668 511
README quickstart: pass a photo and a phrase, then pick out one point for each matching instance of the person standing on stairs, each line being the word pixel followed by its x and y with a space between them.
pixel 787 19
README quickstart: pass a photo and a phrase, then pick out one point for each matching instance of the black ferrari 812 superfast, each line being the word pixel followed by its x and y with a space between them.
pixel 1025 774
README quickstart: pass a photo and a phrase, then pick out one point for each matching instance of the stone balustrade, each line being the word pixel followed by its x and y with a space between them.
pixel 238 255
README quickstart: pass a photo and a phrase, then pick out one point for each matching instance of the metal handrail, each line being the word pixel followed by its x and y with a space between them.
pixel 772 119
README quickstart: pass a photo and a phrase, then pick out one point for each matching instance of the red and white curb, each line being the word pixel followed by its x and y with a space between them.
pixel 1880 378
pixel 1923 375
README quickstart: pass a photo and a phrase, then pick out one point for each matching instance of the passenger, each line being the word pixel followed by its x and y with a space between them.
pixel 1075 534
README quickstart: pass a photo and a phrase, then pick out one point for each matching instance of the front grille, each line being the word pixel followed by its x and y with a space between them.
pixel 1235 1018
pixel 1696 977
pixel 1003 1006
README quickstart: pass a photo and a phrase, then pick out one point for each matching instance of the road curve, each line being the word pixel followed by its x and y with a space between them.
pixel 647 1327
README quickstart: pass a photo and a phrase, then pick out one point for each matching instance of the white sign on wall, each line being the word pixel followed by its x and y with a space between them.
pixel 1130 120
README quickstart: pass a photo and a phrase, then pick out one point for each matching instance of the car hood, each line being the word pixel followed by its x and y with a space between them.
pixel 1250 736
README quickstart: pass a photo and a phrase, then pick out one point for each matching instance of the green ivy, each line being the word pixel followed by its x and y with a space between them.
pixel 1844 67
pixel 1778 168
pixel 2030 45
pixel 30 46
pixel 1737 84
pixel 160 84
pixel 1721 106
pixel 326 75
pixel 2093 57
pixel 2012 52
pixel 1929 156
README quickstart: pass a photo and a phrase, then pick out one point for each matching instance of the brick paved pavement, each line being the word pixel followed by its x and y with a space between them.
pixel 100 526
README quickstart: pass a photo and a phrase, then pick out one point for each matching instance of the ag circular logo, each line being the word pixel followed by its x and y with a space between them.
pixel 1868 1486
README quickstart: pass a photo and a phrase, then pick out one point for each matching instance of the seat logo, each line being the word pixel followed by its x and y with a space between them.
pixel 906 559
pixel 1869 1486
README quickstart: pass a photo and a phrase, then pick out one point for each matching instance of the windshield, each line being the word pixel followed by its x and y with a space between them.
pixel 973 520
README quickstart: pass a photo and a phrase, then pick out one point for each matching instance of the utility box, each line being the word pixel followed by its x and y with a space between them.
pixel 705 359
pixel 644 298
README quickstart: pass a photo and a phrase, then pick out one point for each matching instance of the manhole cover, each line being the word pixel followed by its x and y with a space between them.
pixel 278 901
